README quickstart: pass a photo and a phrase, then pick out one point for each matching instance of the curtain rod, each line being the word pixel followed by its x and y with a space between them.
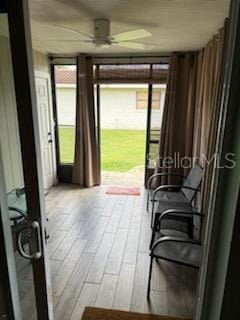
pixel 113 59
pixel 107 57
pixel 128 57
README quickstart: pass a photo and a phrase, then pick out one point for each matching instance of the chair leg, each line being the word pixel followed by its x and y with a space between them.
pixel 152 215
pixel 151 241
pixel 149 278
pixel 147 201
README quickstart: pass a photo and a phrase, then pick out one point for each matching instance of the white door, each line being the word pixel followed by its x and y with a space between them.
pixel 45 126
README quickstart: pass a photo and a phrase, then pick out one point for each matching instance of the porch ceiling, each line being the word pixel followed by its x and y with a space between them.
pixel 175 24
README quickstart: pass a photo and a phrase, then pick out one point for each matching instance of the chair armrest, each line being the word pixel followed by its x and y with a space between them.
pixel 190 188
pixel 163 187
pixel 179 213
pixel 171 186
pixel 20 191
pixel 162 175
pixel 21 212
pixel 174 239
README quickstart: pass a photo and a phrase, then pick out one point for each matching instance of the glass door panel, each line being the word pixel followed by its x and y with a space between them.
pixel 66 82
pixel 17 212
pixel 22 225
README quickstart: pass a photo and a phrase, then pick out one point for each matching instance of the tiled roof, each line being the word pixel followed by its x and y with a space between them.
pixel 158 73
pixel 65 76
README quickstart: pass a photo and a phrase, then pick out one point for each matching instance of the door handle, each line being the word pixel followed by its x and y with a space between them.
pixel 50 137
pixel 37 255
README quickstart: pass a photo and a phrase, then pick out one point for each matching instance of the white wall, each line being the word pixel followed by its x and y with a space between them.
pixel 9 131
pixel 118 107
pixel 9 134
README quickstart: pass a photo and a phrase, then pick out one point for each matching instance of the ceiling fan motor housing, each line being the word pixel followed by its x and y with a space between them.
pixel 102 32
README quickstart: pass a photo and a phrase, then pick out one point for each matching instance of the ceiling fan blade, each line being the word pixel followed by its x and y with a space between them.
pixel 135 45
pixel 73 31
pixel 131 35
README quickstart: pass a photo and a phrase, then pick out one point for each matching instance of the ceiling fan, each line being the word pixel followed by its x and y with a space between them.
pixel 102 37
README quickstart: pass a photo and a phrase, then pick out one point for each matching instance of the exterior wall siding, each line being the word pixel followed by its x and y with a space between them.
pixel 118 107
pixel 66 105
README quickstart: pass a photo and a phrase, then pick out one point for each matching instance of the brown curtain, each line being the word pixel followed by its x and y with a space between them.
pixel 86 169
pixel 178 118
pixel 191 112
pixel 210 62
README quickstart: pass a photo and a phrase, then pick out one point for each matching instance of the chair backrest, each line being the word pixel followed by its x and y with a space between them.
pixel 193 180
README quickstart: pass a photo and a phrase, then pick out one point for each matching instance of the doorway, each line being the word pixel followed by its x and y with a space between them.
pixel 123 118
pixel 130 122
pixel 130 100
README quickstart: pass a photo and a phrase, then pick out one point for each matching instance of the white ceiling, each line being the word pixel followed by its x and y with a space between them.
pixel 175 24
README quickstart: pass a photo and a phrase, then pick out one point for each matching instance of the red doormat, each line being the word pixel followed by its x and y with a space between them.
pixel 125 191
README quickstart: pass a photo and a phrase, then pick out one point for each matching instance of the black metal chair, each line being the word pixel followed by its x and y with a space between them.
pixel 184 193
pixel 167 197
pixel 177 248
pixel 150 189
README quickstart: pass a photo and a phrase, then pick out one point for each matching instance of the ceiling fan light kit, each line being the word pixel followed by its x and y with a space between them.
pixel 102 33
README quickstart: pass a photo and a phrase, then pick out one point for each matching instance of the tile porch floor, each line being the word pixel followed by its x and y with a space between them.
pixel 99 256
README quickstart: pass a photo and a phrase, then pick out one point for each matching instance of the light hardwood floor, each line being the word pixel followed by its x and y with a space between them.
pixel 99 256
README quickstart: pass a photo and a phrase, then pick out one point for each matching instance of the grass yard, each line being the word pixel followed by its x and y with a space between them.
pixel 66 144
pixel 121 150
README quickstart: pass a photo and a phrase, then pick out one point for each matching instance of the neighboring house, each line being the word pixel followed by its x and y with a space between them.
pixel 123 106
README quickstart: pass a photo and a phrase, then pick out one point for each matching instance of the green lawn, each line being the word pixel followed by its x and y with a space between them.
pixel 121 150
pixel 66 144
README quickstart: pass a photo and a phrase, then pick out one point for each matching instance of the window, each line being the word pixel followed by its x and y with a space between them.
pixel 142 100
pixel 156 96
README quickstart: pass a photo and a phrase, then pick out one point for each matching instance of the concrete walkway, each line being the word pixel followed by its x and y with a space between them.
pixel 133 177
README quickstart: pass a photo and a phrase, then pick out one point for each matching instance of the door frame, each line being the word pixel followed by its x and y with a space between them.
pixel 23 74
pixel 63 170
pixel 98 124
pixel 46 76
pixel 148 132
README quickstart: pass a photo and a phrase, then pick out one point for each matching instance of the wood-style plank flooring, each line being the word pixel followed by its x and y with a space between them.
pixel 99 256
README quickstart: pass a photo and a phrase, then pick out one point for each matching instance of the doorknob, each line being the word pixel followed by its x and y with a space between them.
pixel 37 255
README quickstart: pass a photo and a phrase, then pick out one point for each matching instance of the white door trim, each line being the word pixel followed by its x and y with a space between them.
pixel 46 76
